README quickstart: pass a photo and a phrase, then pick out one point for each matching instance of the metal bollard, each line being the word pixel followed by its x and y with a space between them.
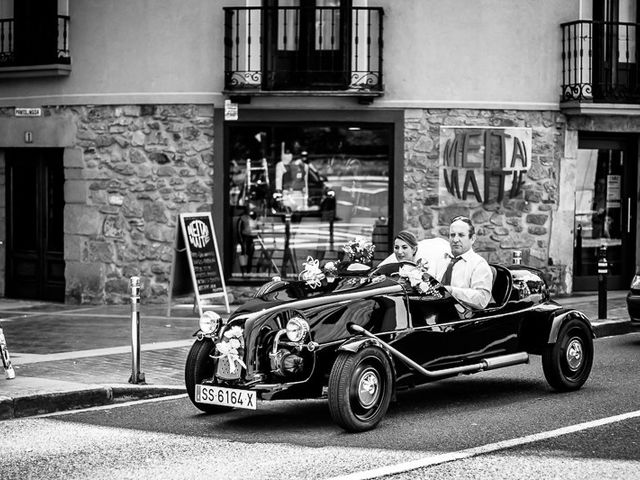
pixel 603 271
pixel 136 376
pixel 516 257
pixel 6 360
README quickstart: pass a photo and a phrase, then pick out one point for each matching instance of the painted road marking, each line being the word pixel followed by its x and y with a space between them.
pixel 18 315
pixel 28 358
pixel 483 449
pixel 116 405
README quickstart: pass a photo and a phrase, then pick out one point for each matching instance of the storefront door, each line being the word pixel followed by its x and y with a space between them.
pixel 605 200
pixel 35 235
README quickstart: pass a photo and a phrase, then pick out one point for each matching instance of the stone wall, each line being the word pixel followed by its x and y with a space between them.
pixel 521 223
pixel 129 171
pixel 132 170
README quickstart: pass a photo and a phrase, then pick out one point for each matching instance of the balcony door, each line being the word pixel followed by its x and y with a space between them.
pixel 605 211
pixel 36 32
pixel 307 45
pixel 35 203
pixel 615 37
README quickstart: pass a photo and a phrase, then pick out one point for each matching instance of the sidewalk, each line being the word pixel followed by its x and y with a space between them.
pixel 75 356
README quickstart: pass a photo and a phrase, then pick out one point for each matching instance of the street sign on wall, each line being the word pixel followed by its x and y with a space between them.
pixel 28 112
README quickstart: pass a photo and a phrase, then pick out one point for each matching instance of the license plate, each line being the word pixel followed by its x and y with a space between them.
pixel 227 397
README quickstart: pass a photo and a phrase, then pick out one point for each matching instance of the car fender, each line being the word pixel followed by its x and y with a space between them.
pixel 357 344
pixel 540 327
pixel 354 345
pixel 559 317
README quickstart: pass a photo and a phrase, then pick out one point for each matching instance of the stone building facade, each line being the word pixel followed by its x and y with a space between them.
pixel 124 139
pixel 130 170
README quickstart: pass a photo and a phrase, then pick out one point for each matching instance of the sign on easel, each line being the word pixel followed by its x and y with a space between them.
pixel 197 258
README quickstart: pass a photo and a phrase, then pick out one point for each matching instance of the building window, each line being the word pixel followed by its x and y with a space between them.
pixel 296 191
pixel 34 32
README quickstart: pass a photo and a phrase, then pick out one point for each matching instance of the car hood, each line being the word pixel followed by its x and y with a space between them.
pixel 299 295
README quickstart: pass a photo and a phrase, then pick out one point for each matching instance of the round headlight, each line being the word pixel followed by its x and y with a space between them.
pixel 209 322
pixel 297 328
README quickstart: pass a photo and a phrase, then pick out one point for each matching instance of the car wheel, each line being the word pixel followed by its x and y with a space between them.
pixel 199 367
pixel 567 363
pixel 360 387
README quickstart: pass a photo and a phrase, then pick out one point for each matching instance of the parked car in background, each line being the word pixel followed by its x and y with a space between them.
pixel 357 335
pixel 633 301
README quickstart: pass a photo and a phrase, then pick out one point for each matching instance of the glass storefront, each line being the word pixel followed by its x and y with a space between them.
pixel 598 208
pixel 605 201
pixel 300 190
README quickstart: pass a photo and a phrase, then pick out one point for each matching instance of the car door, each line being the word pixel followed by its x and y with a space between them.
pixel 441 338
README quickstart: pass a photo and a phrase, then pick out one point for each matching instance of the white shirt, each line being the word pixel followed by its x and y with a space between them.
pixel 471 279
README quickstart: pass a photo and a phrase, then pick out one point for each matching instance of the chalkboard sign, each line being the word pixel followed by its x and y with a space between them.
pixel 197 257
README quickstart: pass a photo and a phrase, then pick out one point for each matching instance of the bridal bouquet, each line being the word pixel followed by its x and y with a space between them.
pixel 417 277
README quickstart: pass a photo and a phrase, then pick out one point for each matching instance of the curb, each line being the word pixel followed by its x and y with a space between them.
pixel 615 327
pixel 39 404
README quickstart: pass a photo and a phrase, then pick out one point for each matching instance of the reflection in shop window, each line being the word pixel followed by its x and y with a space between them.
pixel 598 209
pixel 305 191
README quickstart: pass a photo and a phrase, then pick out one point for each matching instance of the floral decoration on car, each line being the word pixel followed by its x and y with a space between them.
pixel 231 347
pixel 417 277
pixel 359 250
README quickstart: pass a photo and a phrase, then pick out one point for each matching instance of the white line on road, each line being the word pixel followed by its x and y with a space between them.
pixel 27 358
pixel 483 449
pixel 75 314
pixel 114 405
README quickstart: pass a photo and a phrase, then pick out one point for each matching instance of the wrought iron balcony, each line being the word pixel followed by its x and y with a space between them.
pixel 600 62
pixel 295 49
pixel 20 48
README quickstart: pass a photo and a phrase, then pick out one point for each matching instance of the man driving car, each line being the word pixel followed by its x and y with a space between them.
pixel 464 273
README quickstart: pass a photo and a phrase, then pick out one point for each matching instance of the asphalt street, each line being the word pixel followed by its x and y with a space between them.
pixel 500 424
pixel 74 356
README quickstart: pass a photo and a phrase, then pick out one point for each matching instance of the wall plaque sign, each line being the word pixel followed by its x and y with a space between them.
pixel 28 112
pixel 483 164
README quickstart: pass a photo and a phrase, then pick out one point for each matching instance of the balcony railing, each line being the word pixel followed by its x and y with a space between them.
pixel 298 48
pixel 10 52
pixel 600 62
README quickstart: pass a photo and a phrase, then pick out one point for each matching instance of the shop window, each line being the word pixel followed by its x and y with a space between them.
pixel 605 198
pixel 303 191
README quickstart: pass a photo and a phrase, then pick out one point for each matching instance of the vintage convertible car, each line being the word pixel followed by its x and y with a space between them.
pixel 360 335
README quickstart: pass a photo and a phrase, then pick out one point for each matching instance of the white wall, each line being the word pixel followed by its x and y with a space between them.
pixel 453 53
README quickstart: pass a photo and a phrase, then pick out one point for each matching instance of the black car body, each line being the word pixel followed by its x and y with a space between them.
pixel 633 302
pixel 359 337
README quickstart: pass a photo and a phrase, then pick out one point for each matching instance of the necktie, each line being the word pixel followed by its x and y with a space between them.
pixel 446 278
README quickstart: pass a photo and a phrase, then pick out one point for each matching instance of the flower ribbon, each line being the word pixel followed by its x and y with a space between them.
pixel 230 351
pixel 312 274
pixel 229 348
